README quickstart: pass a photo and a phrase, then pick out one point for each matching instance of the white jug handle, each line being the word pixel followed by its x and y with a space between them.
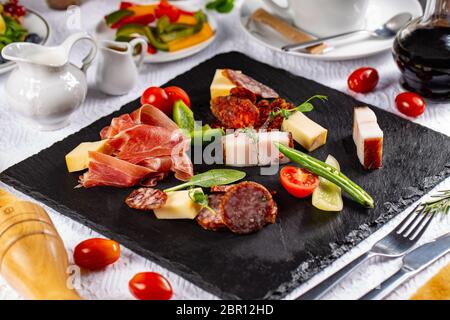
pixel 73 39
pixel 144 47
pixel 279 10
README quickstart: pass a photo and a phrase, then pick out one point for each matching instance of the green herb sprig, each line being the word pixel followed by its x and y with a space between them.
pixel 214 177
pixel 201 199
pixel 440 203
pixel 306 106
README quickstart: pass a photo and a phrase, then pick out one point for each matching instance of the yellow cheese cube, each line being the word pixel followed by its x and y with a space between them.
pixel 179 206
pixel 78 158
pixel 221 85
pixel 306 132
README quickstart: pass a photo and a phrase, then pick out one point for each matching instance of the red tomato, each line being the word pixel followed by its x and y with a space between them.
pixel 96 253
pixel 150 286
pixel 176 93
pixel 363 80
pixel 298 182
pixel 410 104
pixel 158 98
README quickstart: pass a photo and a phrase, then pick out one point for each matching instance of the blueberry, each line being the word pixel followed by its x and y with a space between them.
pixel 33 38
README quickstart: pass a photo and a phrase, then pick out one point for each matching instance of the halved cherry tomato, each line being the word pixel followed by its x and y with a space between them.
pixel 150 286
pixel 410 104
pixel 151 49
pixel 363 80
pixel 96 253
pixel 298 182
pixel 176 93
pixel 158 98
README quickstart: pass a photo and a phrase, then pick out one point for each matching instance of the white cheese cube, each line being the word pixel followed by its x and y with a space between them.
pixel 241 149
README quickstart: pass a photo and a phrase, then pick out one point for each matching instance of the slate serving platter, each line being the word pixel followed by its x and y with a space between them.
pixel 268 264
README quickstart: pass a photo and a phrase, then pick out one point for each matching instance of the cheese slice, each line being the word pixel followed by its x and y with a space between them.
pixel 306 132
pixel 179 206
pixel 221 85
pixel 78 158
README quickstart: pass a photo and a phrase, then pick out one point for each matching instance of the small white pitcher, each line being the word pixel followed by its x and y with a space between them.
pixel 117 71
pixel 46 88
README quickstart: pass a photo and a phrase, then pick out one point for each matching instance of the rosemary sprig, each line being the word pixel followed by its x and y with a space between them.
pixel 306 106
pixel 441 203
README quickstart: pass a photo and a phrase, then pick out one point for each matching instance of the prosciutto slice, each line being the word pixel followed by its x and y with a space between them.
pixel 147 146
pixel 106 170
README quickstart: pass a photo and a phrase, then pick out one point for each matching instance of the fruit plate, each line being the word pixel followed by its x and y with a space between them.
pixel 103 32
pixel 274 261
pixel 34 23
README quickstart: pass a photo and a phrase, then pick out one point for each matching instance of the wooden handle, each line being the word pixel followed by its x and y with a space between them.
pixel 286 30
pixel 33 258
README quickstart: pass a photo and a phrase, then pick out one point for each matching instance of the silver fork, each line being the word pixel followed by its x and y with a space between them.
pixel 396 244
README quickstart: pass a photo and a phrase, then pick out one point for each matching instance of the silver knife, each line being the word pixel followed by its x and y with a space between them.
pixel 413 263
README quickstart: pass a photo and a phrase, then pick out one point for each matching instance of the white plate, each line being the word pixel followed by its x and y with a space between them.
pixel 379 11
pixel 103 32
pixel 34 23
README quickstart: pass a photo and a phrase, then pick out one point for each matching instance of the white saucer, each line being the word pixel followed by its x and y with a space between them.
pixel 379 11
pixel 103 32
pixel 34 23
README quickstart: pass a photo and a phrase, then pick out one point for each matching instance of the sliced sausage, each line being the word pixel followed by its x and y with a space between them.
pixel 146 199
pixel 250 84
pixel 212 220
pixel 248 207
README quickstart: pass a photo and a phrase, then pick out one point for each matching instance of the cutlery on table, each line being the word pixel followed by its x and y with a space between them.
pixel 388 30
pixel 413 263
pixel 285 29
pixel 398 242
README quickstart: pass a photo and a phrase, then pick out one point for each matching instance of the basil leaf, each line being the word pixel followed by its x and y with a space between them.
pixel 215 177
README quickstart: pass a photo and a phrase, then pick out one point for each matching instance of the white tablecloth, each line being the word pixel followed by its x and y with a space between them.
pixel 18 142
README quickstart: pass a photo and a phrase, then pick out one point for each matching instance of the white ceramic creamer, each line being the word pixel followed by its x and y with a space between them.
pixel 46 88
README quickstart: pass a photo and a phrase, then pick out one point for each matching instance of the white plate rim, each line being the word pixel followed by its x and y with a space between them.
pixel 325 57
pixel 162 57
pixel 8 66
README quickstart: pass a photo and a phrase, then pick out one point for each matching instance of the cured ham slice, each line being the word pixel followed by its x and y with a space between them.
pixel 242 80
pixel 147 146
pixel 368 138
pixel 105 170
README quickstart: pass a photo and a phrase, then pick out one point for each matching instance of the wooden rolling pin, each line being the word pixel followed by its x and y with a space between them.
pixel 33 259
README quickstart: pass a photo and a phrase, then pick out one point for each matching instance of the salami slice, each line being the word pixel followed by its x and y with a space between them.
pixel 209 220
pixel 146 199
pixel 234 112
pixel 222 189
pixel 248 207
pixel 250 84
pixel 243 93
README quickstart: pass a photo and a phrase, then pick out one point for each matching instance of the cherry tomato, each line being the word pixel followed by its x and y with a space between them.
pixel 410 104
pixel 363 80
pixel 150 286
pixel 298 182
pixel 158 98
pixel 176 93
pixel 96 253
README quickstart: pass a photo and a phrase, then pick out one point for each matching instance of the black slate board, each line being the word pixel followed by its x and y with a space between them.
pixel 268 264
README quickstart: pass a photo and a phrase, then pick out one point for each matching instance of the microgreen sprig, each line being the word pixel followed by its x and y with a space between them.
pixel 306 106
pixel 201 199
